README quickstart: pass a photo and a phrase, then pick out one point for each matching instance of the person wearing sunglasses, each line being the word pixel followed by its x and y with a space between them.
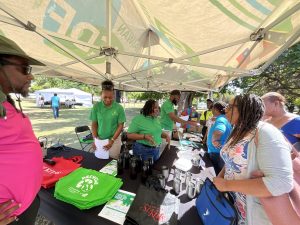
pixel 20 152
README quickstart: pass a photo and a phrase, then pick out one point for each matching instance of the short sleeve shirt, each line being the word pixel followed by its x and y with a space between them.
pixel 55 101
pixel 108 118
pixel 165 120
pixel 221 124
pixel 146 125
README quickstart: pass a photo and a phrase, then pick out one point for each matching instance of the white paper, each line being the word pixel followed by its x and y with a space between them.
pixel 183 164
pixel 116 208
pixel 185 118
pixel 111 168
pixel 100 152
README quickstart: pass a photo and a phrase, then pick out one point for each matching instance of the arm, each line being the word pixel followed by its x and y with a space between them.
pixel 118 131
pixel 178 120
pixel 147 137
pixel 274 161
pixel 95 129
pixel 217 134
pixel 114 137
pixel 254 187
pixel 167 137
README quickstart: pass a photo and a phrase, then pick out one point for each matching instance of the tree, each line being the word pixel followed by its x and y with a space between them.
pixel 42 82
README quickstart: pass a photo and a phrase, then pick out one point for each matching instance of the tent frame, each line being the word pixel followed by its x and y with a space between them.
pixel 257 36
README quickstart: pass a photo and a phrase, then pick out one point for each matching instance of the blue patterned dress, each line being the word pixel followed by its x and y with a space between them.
pixel 235 159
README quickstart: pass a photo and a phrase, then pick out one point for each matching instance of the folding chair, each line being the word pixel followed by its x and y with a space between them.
pixel 84 136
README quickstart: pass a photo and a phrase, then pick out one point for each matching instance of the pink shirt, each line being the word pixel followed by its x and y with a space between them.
pixel 21 160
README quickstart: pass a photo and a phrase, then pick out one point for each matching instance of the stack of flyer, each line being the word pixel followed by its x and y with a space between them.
pixel 117 208
pixel 111 168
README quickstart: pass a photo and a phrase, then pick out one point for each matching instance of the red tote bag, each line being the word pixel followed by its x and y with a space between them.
pixel 61 168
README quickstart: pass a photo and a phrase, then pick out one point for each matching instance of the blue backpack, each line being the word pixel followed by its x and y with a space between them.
pixel 213 208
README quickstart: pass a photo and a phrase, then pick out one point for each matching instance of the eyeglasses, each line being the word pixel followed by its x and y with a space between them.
pixel 230 106
pixel 26 68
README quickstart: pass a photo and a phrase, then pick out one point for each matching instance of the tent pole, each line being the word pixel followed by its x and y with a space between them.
pixel 220 47
pixel 32 27
pixel 108 36
pixel 288 43
pixel 117 59
pixel 285 15
pixel 13 22
pixel 66 64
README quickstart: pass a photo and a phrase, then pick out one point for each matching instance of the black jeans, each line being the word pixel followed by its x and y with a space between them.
pixel 29 215
pixel 217 162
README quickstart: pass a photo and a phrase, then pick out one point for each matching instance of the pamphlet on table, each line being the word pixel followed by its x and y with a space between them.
pixel 117 208
pixel 111 168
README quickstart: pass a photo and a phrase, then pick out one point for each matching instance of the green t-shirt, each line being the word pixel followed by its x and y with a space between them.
pixel 166 108
pixel 146 125
pixel 108 118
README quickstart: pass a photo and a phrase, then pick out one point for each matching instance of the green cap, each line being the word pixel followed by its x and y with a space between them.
pixel 8 47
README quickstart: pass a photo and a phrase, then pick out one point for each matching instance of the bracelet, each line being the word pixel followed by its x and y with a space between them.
pixel 113 140
pixel 144 137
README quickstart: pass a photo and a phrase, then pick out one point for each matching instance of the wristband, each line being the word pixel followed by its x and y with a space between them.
pixel 144 137
pixel 112 139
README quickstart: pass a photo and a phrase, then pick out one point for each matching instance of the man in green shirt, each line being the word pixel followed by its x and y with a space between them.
pixel 108 119
pixel 167 114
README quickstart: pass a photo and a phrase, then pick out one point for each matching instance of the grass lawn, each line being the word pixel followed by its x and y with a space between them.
pixel 62 129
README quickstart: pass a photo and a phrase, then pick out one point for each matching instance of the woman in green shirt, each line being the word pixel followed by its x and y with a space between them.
pixel 108 119
pixel 146 130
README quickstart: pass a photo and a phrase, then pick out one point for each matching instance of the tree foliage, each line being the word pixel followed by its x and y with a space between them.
pixel 42 82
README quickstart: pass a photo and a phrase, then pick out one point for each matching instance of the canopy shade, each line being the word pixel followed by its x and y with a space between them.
pixel 156 45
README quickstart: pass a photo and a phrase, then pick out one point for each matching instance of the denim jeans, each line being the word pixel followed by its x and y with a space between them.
pixel 55 112
pixel 145 151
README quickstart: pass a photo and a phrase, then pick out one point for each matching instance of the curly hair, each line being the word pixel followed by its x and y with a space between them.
pixel 148 107
pixel 251 109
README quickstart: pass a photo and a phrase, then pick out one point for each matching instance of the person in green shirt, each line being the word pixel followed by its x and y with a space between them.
pixel 146 130
pixel 167 114
pixel 108 119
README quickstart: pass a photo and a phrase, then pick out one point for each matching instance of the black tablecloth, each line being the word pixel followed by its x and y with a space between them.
pixel 62 213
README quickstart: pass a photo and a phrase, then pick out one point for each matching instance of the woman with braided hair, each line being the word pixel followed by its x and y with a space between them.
pixel 249 148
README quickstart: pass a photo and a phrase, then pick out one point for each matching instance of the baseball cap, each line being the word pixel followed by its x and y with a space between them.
pixel 9 47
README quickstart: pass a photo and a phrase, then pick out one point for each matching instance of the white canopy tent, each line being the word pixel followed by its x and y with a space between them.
pixel 156 45
pixel 65 95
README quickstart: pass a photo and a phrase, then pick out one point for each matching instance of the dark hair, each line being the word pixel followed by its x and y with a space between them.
pixel 251 109
pixel 55 94
pixel 220 106
pixel 175 92
pixel 148 107
pixel 107 85
pixel 209 100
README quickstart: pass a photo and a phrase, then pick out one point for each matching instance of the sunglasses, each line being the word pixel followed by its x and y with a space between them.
pixel 26 68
